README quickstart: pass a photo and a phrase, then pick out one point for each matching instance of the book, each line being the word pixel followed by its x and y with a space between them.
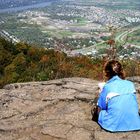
pixel 101 85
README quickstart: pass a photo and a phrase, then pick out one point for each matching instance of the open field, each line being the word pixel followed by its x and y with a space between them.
pixel 134 37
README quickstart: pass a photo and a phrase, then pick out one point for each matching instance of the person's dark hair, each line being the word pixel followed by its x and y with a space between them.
pixel 113 68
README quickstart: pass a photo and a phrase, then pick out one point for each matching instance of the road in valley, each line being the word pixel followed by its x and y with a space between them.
pixel 92 49
pixel 88 50
pixel 9 37
pixel 121 38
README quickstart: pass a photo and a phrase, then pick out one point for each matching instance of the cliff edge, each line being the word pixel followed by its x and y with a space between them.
pixel 53 110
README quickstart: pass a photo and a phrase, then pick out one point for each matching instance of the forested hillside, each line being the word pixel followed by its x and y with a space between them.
pixel 23 62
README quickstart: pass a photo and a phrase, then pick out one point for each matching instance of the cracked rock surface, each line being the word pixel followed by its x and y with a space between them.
pixel 53 110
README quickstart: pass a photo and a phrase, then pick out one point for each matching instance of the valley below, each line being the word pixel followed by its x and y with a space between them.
pixel 75 27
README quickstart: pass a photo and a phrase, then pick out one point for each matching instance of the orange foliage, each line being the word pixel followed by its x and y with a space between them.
pixel 44 58
pixel 111 42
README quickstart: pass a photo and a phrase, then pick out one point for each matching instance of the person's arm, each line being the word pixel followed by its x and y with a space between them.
pixel 102 100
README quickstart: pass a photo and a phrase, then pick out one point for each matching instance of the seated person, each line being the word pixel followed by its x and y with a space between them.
pixel 117 105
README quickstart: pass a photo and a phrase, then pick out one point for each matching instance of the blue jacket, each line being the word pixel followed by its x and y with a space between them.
pixel 119 107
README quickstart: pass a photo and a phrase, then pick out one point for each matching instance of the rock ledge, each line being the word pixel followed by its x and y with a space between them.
pixel 53 110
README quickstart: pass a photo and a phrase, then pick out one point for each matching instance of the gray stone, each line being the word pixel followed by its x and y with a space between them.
pixel 54 110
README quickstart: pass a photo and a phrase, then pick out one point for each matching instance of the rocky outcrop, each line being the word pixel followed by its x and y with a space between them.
pixel 53 110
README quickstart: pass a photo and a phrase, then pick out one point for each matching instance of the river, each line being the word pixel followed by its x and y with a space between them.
pixel 21 8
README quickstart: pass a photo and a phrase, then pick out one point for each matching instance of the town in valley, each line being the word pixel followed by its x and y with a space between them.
pixel 81 27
